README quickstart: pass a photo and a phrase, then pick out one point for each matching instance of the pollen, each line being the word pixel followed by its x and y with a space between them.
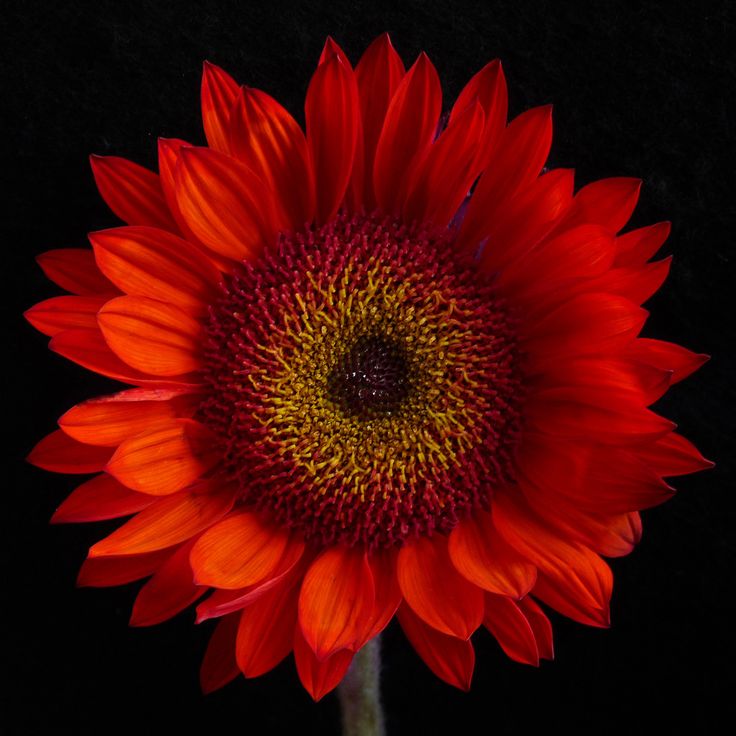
pixel 364 382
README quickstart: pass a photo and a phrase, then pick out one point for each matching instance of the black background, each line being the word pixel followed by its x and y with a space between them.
pixel 639 90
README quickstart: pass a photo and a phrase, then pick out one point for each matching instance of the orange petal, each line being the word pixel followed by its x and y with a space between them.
pixel 267 139
pixel 436 591
pixel 241 550
pixel 333 120
pixel 480 554
pixel 61 454
pixel 151 336
pixel 60 313
pixel 133 193
pixel 224 203
pixel 488 87
pixel 388 592
pixel 219 91
pixel 165 461
pixel 166 522
pixel 319 676
pixel 106 572
pixel 266 631
pixel 451 659
pixel 75 270
pixel 168 157
pixel 148 262
pixel 89 349
pixel 442 180
pixel 378 74
pixel 219 665
pixel 508 624
pixel 109 420
pixel 101 497
pixel 169 591
pixel 636 247
pixel 408 130
pixel 337 601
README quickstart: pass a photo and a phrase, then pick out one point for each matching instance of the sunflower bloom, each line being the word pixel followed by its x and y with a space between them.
pixel 389 367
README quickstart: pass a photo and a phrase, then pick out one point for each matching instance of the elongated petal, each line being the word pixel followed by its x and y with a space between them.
pixel 100 498
pixel 106 572
pixel 488 87
pixel 319 676
pixel 60 313
pixel 133 193
pixel 451 659
pixel 169 150
pixel 673 455
pixel 481 555
pixel 109 420
pixel 165 523
pixel 149 262
pixel 169 591
pixel 151 336
pixel 508 624
pixel 241 550
pixel 434 589
pixel 219 91
pixel 636 247
pixel 378 74
pixel 266 631
pixel 442 180
pixel 75 270
pixel 267 139
pixel 61 454
pixel 388 592
pixel 408 130
pixel 667 356
pixel 337 601
pixel 333 120
pixel 166 460
pixel 608 202
pixel 541 627
pixel 219 665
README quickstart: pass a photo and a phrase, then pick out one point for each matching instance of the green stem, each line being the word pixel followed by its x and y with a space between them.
pixel 359 692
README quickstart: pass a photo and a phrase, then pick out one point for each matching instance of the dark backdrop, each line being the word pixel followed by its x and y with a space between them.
pixel 638 91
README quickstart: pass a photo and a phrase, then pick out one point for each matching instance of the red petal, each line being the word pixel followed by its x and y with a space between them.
pixel 451 659
pixel 65 313
pixel 572 579
pixel 224 203
pixel 508 624
pixel 165 461
pixel 436 591
pixel 636 247
pixel 488 87
pixel 241 550
pixel 519 158
pixel 408 130
pixel 541 627
pixel 319 676
pixel 673 455
pixel 148 262
pixel 166 522
pixel 151 336
pixel 608 202
pixel 105 572
pixel 378 75
pixel 219 665
pixel 100 498
pixel 61 454
pixel 168 157
pixel 480 554
pixel 442 180
pixel 270 142
pixel 266 631
pixel 666 356
pixel 337 601
pixel 333 122
pixel 89 349
pixel 388 593
pixel 133 193
pixel 168 592
pixel 75 270
pixel 219 91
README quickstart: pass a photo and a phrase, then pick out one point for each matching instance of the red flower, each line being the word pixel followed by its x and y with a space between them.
pixel 357 390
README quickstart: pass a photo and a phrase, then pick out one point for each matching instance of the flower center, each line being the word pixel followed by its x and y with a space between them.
pixel 364 383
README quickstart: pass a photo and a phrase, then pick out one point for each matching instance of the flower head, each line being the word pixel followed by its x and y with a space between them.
pixel 389 367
